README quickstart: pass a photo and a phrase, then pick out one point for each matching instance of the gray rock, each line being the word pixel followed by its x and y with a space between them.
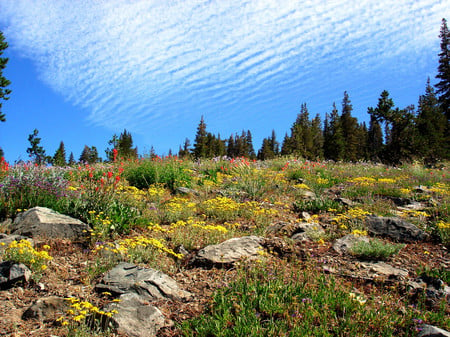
pixel 185 190
pixel 229 252
pixel 46 308
pixel 149 284
pixel 346 243
pixel 432 331
pixel 5 240
pixel 345 201
pixel 395 228
pixel 135 317
pixel 12 273
pixel 308 230
pixel 384 269
pixel 46 223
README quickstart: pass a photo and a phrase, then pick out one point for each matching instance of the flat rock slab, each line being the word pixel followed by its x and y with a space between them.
pixel 346 243
pixel 47 308
pixel 432 331
pixel 46 223
pixel 135 317
pixel 230 251
pixel 147 283
pixel 395 228
pixel 384 269
pixel 12 273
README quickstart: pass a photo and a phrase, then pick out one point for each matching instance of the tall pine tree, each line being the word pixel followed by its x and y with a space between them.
pixel 349 129
pixel 36 152
pixel 59 159
pixel 443 75
pixel 4 83
pixel 334 144
pixel 201 142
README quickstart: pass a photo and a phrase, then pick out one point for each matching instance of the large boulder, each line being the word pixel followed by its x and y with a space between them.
pixel 149 284
pixel 432 331
pixel 12 273
pixel 45 223
pixel 46 308
pixel 229 252
pixel 136 317
pixel 395 228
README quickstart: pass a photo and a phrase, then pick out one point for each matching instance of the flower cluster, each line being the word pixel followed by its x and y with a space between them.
pixel 24 252
pixel 81 310
pixel 343 221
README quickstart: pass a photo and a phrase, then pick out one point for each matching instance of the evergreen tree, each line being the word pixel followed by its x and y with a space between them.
pixel 186 150
pixel 401 135
pixel 4 83
pixel 269 148
pixel 250 149
pixel 430 124
pixel 301 140
pixel 349 125
pixel 362 136
pixel 286 145
pixel 374 138
pixel 231 151
pixel 200 146
pixel 2 154
pixel 71 159
pixel 89 155
pixel 443 86
pixel 35 151
pixel 124 146
pixel 59 159
pixel 334 143
pixel 317 138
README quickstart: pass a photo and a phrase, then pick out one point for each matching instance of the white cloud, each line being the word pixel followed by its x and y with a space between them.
pixel 134 62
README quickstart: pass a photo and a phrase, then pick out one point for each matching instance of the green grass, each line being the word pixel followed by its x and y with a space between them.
pixel 375 249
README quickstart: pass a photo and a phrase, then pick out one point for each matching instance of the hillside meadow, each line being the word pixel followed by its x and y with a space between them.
pixel 160 212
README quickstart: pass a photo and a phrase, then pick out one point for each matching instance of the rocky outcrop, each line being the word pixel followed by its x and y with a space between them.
pixel 147 283
pixel 46 308
pixel 136 317
pixel 229 252
pixel 45 223
pixel 395 229
pixel 13 273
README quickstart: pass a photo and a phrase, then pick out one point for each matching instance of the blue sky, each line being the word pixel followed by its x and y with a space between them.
pixel 84 70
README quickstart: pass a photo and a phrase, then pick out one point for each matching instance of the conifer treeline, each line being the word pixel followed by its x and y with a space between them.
pixel 409 134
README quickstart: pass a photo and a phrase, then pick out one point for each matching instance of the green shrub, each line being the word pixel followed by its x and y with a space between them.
pixel 169 172
pixel 375 249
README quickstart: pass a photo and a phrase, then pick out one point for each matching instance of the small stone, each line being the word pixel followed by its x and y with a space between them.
pixel 46 308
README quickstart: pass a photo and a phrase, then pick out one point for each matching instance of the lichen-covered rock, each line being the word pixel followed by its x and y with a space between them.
pixel 45 223
pixel 149 284
pixel 46 308
pixel 136 317
pixel 229 252
pixel 346 243
pixel 12 273
pixel 395 228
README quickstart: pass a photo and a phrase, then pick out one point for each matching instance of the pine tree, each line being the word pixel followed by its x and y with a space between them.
pixel 286 145
pixel 301 139
pixel 85 155
pixel 334 139
pixel 71 159
pixel 4 83
pixel 374 138
pixel 231 151
pixel 349 125
pixel 269 148
pixel 362 136
pixel 59 159
pixel 431 127
pixel 317 138
pixel 124 146
pixel 185 151
pixel 2 154
pixel 35 151
pixel 200 146
pixel 250 149
pixel 443 86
